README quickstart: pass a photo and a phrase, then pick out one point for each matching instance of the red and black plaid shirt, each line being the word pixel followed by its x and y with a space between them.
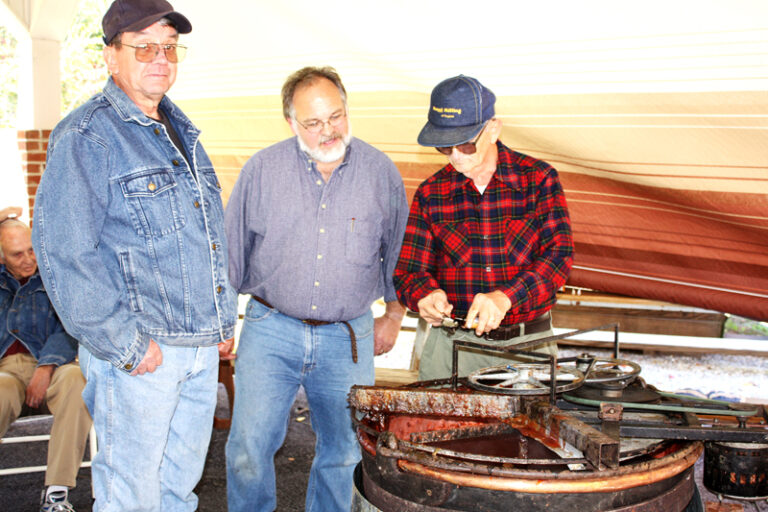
pixel 515 237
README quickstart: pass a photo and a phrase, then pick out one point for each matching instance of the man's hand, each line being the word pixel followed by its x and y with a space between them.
pixel 225 349
pixel 434 307
pixel 387 327
pixel 489 309
pixel 10 211
pixel 151 360
pixel 41 379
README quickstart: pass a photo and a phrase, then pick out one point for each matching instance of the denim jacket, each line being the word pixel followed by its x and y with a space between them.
pixel 129 240
pixel 26 314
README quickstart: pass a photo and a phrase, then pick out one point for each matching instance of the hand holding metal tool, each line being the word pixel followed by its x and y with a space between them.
pixel 453 323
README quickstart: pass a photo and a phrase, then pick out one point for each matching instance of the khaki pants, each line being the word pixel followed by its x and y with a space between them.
pixel 71 421
pixel 437 357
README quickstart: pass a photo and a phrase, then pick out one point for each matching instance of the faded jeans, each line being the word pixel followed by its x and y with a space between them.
pixel 153 429
pixel 276 355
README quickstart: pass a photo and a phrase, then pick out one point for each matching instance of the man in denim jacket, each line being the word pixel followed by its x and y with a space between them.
pixel 37 364
pixel 129 232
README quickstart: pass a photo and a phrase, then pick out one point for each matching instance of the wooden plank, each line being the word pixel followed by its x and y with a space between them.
pixel 653 321
pixel 592 297
pixel 664 343
pixel 395 376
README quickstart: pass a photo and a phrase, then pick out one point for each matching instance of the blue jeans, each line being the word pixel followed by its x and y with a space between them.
pixel 276 354
pixel 153 429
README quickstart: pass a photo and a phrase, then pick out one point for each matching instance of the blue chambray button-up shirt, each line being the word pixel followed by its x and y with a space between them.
pixel 316 250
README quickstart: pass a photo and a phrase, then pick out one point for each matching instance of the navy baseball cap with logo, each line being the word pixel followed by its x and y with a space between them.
pixel 136 15
pixel 458 109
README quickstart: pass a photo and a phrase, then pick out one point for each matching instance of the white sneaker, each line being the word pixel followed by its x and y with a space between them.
pixel 57 501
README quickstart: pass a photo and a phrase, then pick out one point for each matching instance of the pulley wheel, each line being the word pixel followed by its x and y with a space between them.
pixel 525 379
pixel 612 370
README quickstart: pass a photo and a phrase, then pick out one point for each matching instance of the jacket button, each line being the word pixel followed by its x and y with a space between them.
pixel 157 131
pixel 14 331
pixel 197 204
pixel 129 366
pixel 218 289
pixel 175 162
pixel 151 186
pixel 213 246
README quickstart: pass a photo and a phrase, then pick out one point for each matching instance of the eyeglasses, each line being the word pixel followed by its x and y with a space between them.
pixel 148 51
pixel 316 126
pixel 468 148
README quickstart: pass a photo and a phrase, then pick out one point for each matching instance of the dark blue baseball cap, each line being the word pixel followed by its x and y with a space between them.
pixel 135 15
pixel 458 109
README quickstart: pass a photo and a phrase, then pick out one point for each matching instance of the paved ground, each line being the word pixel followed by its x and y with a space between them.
pixel 21 493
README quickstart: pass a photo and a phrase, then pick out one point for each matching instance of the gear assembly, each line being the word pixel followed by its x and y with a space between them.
pixel 577 433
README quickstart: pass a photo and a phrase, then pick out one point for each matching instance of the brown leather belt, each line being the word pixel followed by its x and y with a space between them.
pixel 316 323
pixel 540 324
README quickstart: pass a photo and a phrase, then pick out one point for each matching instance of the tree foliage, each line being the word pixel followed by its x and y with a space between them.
pixel 9 82
pixel 83 71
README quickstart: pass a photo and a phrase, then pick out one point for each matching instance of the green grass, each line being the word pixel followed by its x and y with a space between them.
pixel 745 326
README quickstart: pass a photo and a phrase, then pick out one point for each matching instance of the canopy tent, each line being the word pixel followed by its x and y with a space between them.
pixel 654 114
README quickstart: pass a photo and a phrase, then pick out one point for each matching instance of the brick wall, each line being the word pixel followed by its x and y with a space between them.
pixel 32 147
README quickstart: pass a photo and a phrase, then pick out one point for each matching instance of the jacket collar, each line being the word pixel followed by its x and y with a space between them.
pixel 129 111
pixel 9 283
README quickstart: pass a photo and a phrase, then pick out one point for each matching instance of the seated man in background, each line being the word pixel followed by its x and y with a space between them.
pixel 37 364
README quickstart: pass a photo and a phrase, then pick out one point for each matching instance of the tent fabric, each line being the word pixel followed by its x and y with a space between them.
pixel 705 249
pixel 655 115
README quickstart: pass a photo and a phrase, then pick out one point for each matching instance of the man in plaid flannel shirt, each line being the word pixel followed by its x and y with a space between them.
pixel 488 239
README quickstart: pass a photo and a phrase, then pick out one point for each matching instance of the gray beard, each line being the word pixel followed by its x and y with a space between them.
pixel 329 156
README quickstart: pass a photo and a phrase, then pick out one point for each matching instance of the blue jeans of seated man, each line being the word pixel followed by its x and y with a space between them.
pixel 275 355
pixel 153 429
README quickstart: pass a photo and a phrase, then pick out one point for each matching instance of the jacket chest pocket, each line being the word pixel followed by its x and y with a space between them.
pixel 153 202
pixel 30 315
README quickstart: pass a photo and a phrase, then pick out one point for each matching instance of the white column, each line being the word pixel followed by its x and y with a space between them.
pixel 39 83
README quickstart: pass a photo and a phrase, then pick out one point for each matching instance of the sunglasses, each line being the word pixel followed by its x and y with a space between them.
pixel 148 51
pixel 468 148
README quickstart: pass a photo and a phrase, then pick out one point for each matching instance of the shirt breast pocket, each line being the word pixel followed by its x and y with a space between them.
pixel 454 242
pixel 153 202
pixel 522 240
pixel 363 242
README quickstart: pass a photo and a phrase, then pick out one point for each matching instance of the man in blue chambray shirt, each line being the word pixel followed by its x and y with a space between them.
pixel 314 226
pixel 129 232
pixel 37 365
